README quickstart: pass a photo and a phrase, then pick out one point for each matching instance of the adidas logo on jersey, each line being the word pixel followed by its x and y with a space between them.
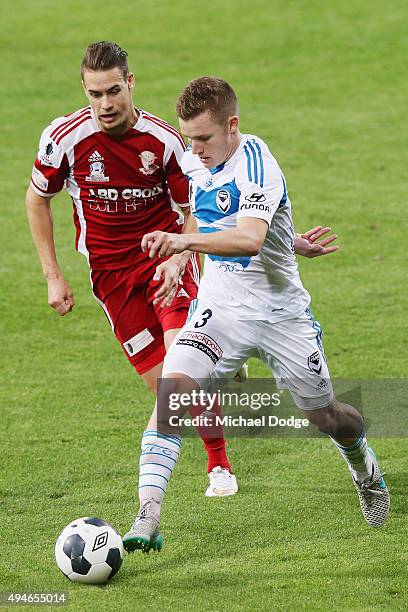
pixel 96 168
pixel 182 293
pixel 95 157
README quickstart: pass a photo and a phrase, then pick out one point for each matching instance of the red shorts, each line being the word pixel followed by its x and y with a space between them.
pixel 127 295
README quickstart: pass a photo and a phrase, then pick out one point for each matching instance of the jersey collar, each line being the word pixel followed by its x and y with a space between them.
pixel 140 119
pixel 217 168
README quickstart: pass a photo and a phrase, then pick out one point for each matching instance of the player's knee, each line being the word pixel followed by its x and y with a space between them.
pixel 176 383
pixel 336 421
pixel 174 397
pixel 320 418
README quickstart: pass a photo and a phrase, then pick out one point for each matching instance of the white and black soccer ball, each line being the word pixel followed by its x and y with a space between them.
pixel 89 550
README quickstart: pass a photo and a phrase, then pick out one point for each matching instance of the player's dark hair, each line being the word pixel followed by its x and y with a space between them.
pixel 104 55
pixel 207 94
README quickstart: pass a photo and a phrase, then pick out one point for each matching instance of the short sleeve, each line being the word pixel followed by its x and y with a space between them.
pixel 176 180
pixel 260 182
pixel 51 167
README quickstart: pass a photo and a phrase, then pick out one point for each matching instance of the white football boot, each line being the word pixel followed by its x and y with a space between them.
pixel 373 496
pixel 222 483
pixel 145 532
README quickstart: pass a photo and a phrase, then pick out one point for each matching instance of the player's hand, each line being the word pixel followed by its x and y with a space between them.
pixel 60 296
pixel 163 244
pixel 309 245
pixel 170 272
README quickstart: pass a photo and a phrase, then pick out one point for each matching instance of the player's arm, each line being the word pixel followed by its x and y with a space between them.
pixel 245 239
pixel 249 235
pixel 309 245
pixel 39 215
pixel 172 270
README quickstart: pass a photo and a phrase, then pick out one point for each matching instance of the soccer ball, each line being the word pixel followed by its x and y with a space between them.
pixel 89 550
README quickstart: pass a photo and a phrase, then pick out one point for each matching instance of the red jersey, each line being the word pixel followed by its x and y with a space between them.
pixel 121 186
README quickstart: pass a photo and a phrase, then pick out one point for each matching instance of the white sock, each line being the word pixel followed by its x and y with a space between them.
pixel 358 458
pixel 159 455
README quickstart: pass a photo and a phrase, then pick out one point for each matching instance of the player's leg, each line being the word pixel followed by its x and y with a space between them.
pixel 295 352
pixel 151 377
pixel 190 362
pixel 218 464
pixel 160 450
pixel 172 318
pixel 345 426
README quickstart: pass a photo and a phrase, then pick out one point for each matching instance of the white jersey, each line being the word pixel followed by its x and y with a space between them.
pixel 250 184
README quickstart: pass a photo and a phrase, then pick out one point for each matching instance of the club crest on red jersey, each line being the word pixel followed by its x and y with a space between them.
pixel 96 168
pixel 148 158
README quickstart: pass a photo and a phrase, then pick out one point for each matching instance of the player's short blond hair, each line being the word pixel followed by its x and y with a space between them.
pixel 207 94
pixel 104 55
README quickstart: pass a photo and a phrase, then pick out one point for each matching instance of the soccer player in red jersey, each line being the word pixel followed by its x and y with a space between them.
pixel 120 165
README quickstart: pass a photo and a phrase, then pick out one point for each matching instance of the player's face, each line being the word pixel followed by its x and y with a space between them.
pixel 110 96
pixel 212 142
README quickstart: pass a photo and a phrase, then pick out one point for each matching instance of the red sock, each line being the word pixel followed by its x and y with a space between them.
pixel 217 453
pixel 213 440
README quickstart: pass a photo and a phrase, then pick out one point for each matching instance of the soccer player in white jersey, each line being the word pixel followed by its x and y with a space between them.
pixel 251 285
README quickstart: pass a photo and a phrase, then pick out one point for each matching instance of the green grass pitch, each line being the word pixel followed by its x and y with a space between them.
pixel 324 83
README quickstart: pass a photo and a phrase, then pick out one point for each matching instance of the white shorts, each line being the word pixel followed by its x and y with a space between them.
pixel 212 346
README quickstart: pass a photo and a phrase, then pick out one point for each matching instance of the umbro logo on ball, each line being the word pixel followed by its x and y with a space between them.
pixel 100 540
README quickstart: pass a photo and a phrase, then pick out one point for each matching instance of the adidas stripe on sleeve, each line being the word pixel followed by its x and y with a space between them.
pixel 260 182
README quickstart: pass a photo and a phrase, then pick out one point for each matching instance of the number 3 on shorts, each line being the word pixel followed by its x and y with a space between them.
pixel 207 314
